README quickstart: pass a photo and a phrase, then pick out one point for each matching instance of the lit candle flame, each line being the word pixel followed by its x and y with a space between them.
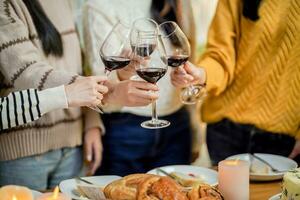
pixel 55 194
pixel 14 198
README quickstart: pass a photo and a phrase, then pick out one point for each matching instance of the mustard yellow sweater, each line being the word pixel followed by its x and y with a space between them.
pixel 253 68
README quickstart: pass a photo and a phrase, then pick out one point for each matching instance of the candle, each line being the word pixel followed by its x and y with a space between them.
pixel 53 196
pixel 234 179
pixel 14 192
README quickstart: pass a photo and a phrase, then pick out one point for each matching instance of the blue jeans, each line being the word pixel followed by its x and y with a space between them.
pixel 43 171
pixel 129 148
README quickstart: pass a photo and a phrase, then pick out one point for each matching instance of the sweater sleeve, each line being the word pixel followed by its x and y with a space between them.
pixel 219 59
pixel 92 119
pixel 22 63
pixel 25 106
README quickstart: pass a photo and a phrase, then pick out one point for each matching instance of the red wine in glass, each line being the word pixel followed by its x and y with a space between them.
pixel 151 75
pixel 178 60
pixel 114 62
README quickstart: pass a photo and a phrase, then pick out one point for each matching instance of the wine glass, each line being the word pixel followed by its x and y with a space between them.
pixel 143 27
pixel 115 51
pixel 151 65
pixel 178 51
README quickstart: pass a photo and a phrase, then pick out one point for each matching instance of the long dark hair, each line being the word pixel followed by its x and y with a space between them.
pixel 47 33
pixel 158 5
pixel 250 9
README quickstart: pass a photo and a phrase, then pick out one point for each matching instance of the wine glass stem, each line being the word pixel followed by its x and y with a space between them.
pixel 154 113
pixel 191 89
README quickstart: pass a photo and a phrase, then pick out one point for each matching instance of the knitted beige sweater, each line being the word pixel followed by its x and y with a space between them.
pixel 23 65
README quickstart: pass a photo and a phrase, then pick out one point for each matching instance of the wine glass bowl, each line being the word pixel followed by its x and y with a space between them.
pixel 116 51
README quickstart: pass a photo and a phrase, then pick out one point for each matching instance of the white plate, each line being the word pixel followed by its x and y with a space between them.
pixel 208 175
pixel 69 186
pixel 275 197
pixel 278 162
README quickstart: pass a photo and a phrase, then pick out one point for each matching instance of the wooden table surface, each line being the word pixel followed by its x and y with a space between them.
pixel 264 190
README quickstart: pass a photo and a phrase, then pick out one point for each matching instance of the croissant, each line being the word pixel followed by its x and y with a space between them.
pixel 205 192
pixel 125 188
pixel 157 188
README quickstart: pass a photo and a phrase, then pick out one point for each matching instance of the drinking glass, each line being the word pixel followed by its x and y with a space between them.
pixel 115 52
pixel 178 52
pixel 151 65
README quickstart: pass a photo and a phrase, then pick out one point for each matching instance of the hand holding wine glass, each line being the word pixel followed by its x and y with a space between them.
pixel 115 52
pixel 188 75
pixel 178 52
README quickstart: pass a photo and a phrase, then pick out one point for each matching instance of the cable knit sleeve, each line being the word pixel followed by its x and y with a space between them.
pixel 22 63
pixel 219 59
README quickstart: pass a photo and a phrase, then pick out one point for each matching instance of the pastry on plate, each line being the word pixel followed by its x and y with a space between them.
pixel 258 167
pixel 205 192
pixel 156 188
pixel 125 188
pixel 187 180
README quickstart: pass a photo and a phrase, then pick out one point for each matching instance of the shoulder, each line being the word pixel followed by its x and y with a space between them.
pixel 6 12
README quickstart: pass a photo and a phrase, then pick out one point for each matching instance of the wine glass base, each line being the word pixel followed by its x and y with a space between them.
pixel 155 124
pixel 192 96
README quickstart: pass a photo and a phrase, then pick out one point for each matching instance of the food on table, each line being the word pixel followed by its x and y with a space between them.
pixel 258 167
pixel 125 188
pixel 291 185
pixel 205 192
pixel 187 180
pixel 15 192
pixel 154 187
pixel 158 187
pixel 90 191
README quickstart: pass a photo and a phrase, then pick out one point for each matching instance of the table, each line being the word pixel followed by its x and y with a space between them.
pixel 264 190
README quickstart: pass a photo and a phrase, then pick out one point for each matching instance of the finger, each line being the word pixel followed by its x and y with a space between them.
pixel 146 94
pixel 88 151
pixel 190 69
pixel 294 154
pixel 102 88
pixel 97 159
pixel 180 70
pixel 139 101
pixel 96 102
pixel 179 84
pixel 145 86
pixel 180 79
pixel 99 96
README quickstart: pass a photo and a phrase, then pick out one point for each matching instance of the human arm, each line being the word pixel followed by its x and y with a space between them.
pixel 218 62
pixel 22 62
pixel 28 105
